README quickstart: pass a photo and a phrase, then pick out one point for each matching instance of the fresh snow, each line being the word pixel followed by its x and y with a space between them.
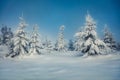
pixel 3 50
pixel 61 53
pixel 45 67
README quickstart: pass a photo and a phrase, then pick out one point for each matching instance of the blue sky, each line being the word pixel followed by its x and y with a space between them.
pixel 51 14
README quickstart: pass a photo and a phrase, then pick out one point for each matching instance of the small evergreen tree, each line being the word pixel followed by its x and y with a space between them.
pixel 61 45
pixel 9 36
pixel 118 46
pixel 56 45
pixel 6 35
pixel 79 40
pixel 4 32
pixel 108 39
pixel 34 43
pixel 71 45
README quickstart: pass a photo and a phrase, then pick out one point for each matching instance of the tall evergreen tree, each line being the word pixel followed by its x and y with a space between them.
pixel 91 44
pixel 34 43
pixel 61 45
pixel 20 39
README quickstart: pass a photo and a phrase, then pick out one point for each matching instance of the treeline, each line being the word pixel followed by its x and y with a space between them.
pixel 86 40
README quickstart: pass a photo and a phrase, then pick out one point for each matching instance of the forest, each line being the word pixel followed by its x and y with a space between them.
pixel 86 41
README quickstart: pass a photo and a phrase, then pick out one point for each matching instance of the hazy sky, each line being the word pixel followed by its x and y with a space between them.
pixel 51 14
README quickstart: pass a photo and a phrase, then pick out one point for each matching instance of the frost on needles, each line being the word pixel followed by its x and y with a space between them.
pixel 20 40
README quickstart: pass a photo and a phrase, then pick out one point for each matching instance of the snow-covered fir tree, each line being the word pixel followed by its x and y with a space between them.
pixel 108 39
pixel 34 43
pixel 7 39
pixel 78 40
pixel 3 34
pixel 61 44
pixel 91 44
pixel 20 40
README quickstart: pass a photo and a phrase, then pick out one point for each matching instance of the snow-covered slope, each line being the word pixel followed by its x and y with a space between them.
pixel 43 67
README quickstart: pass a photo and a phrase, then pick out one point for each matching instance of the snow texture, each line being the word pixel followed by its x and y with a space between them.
pixel 45 67
pixel 3 50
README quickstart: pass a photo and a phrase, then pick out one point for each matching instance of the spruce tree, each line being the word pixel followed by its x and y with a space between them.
pixel 6 35
pixel 90 43
pixel 78 40
pixel 108 39
pixel 61 45
pixel 34 43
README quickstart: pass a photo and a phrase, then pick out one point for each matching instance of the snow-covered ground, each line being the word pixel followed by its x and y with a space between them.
pixel 43 67
pixel 61 53
pixel 3 50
